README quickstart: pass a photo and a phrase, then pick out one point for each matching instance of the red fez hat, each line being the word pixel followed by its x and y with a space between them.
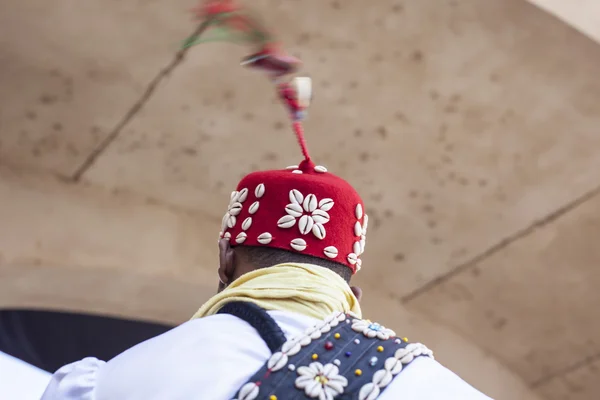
pixel 303 208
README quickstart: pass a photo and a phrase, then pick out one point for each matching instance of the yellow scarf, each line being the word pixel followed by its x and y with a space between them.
pixel 302 288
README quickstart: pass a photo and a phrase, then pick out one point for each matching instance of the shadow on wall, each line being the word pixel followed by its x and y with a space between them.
pixel 49 340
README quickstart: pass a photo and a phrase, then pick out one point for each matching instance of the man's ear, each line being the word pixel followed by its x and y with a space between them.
pixel 226 262
pixel 357 292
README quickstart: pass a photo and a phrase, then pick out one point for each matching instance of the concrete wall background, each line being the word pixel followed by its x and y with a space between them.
pixel 470 128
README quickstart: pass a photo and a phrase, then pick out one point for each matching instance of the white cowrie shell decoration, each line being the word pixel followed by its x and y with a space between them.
pixel 310 203
pixel 357 229
pixel 401 352
pixel 355 247
pixel 277 361
pixel 331 251
pixel 227 235
pixel 298 244
pixel 305 224
pixel 241 237
pixel 296 171
pixel 359 211
pixel 249 391
pixel 294 209
pixel 358 264
pixel 326 204
pixel 382 378
pixel 265 238
pixel 233 196
pixel 319 231
pixel 393 365
pixel 352 258
pixel 259 191
pixel 236 208
pixel 321 169
pixel 320 216
pixel 253 207
pixel 231 221
pixel 292 167
pixel 296 196
pixel 287 221
pixel 243 195
pixel 369 392
pixel 246 224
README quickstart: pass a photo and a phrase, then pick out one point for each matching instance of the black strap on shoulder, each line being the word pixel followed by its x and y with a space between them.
pixel 259 319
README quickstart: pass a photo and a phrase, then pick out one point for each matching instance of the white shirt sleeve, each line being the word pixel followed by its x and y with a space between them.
pixel 75 381
pixel 427 379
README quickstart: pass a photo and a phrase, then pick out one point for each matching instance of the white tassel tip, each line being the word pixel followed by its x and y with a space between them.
pixel 303 87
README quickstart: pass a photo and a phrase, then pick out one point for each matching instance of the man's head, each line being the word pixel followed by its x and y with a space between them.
pixel 299 214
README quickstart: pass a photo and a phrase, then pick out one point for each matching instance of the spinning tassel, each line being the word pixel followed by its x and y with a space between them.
pixel 224 20
pixel 228 22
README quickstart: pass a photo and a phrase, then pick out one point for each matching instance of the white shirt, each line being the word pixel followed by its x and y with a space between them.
pixel 211 358
pixel 21 381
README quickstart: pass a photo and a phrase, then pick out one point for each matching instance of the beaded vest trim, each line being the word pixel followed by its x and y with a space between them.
pixel 341 357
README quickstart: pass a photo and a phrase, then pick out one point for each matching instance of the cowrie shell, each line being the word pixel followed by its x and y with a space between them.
pixel 249 391
pixel 310 203
pixel 305 224
pixel 321 169
pixel 241 237
pixel 292 167
pixel 319 231
pixel 235 209
pixel 259 191
pixel 296 171
pixel 246 224
pixel 277 361
pixel 298 244
pixel 393 365
pixel 369 392
pixel 331 251
pixel 382 378
pixel 326 204
pixel 358 264
pixel 357 229
pixel 227 235
pixel 296 196
pixel 355 247
pixel 243 195
pixel 320 216
pixel 231 221
pixel 287 221
pixel 253 207
pixel 294 209
pixel 265 238
pixel 359 211
pixel 352 258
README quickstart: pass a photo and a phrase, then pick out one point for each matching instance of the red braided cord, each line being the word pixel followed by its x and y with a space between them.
pixel 299 131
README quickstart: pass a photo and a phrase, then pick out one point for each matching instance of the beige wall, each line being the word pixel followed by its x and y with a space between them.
pixel 470 127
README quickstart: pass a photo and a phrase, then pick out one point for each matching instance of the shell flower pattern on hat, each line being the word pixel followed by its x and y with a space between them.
pixel 234 208
pixel 320 381
pixel 310 213
pixel 372 329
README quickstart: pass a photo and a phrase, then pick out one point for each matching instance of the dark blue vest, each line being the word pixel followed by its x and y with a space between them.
pixel 341 357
